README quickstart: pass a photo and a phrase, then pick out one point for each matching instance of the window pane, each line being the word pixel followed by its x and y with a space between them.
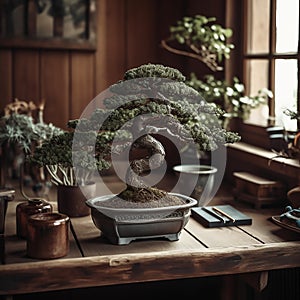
pixel 287 31
pixel 70 13
pixel 44 20
pixel 285 91
pixel 75 19
pixel 13 18
pixel 257 79
pixel 258 26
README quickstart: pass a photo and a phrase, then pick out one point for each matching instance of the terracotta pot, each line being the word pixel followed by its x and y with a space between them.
pixel 48 235
pixel 25 209
pixel 71 200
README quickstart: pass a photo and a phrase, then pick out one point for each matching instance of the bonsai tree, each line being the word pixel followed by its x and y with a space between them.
pixel 201 38
pixel 149 100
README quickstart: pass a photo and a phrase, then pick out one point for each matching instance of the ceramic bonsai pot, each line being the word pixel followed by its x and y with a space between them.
pixel 123 225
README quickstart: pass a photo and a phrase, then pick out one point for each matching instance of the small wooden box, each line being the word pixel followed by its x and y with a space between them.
pixel 257 190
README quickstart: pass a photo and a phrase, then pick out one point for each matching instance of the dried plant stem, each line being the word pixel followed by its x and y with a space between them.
pixel 61 175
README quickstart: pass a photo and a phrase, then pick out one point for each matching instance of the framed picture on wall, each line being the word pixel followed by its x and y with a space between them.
pixel 66 24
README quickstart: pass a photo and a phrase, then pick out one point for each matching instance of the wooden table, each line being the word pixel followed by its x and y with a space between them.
pixel 200 252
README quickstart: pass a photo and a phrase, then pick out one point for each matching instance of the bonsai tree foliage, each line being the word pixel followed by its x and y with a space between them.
pixel 201 38
pixel 150 100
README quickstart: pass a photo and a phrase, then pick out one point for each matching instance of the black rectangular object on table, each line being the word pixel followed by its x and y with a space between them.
pixel 210 216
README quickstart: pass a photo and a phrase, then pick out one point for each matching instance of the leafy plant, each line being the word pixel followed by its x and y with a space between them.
pixel 230 98
pixel 294 115
pixel 21 130
pixel 294 147
pixel 205 40
pixel 56 155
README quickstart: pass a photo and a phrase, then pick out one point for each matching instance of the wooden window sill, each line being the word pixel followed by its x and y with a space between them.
pixel 246 157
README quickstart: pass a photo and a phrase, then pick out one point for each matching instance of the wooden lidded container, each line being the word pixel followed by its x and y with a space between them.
pixel 48 235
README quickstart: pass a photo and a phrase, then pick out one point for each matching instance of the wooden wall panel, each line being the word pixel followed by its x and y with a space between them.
pixel 26 75
pixel 111 43
pixel 82 82
pixel 128 35
pixel 100 55
pixel 165 18
pixel 212 8
pixel 142 39
pixel 55 86
pixel 6 87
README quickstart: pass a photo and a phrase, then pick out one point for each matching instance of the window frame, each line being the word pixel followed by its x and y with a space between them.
pixel 237 19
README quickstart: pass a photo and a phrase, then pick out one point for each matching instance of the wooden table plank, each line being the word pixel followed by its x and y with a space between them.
pixel 266 230
pixel 92 243
pixel 221 236
pixel 143 267
pixel 262 227
pixel 231 251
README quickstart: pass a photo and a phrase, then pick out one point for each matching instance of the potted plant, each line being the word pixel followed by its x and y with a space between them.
pixel 19 136
pixel 151 100
pixel 201 38
pixel 55 155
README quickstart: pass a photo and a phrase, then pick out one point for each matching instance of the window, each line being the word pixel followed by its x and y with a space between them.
pixel 271 58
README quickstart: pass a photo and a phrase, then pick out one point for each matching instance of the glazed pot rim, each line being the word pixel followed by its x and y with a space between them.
pixel 195 169
pixel 115 212
pixel 49 218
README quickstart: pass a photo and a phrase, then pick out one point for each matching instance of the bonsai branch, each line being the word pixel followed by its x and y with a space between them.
pixel 202 55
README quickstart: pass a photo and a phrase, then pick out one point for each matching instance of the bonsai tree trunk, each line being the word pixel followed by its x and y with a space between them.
pixel 137 190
